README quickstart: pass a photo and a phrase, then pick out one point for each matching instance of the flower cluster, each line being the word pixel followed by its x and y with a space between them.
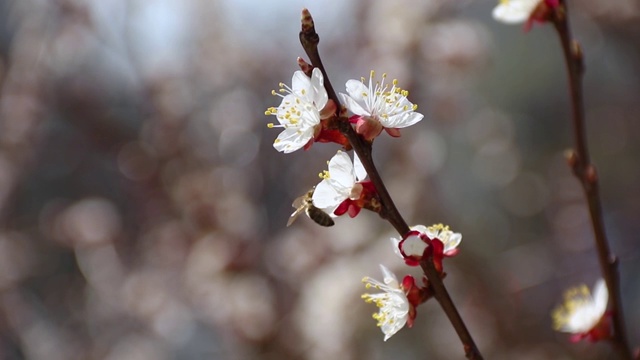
pixel 307 115
pixel 306 111
pixel 398 302
pixel 584 315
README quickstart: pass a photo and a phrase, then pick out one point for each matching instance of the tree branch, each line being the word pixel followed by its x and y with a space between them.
pixel 309 40
pixel 586 173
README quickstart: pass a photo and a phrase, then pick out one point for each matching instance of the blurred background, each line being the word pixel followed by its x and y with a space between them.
pixel 143 208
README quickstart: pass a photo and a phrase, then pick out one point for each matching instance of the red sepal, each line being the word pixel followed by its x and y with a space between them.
pixel 601 331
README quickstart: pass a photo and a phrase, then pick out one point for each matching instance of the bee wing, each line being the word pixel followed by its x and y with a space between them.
pixel 300 202
pixel 295 215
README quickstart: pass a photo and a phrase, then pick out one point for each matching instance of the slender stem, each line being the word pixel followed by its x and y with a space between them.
pixel 442 295
pixel 363 149
pixel 585 171
pixel 309 40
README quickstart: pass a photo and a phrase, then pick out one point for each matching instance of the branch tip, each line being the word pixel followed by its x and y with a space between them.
pixel 307 21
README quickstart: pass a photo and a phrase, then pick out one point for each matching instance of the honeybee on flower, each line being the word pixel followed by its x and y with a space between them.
pixel 344 188
pixel 305 204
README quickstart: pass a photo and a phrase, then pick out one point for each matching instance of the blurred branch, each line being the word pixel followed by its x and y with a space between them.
pixel 586 173
pixel 309 40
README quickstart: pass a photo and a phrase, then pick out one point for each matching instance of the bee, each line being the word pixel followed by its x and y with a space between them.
pixel 304 203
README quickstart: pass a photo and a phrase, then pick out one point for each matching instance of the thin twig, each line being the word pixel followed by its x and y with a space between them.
pixel 585 171
pixel 309 40
pixel 442 295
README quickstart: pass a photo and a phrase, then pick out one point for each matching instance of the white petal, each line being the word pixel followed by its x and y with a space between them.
pixel 389 277
pixel 301 83
pixel 600 297
pixel 514 11
pixel 357 90
pixel 395 242
pixel 354 106
pixel 420 228
pixel 431 233
pixel 356 102
pixel 341 171
pixel 290 140
pixel 320 96
pixel 401 121
pixel 361 173
pixel 414 246
pixel 326 197
pixel 391 328
pixel 453 242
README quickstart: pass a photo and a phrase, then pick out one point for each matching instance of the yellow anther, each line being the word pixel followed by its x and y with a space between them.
pixel 372 74
pixel 273 92
pixel 270 125
pixel 438 227
pixel 395 82
pixel 324 174
pixel 276 141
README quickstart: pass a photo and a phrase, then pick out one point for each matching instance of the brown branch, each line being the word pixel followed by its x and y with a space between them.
pixel 309 40
pixel 585 171
pixel 442 295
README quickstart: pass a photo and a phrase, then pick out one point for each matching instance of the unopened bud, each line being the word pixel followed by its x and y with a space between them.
pixel 305 67
pixel 307 20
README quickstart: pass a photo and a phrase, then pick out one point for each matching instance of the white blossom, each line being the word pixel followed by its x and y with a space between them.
pixel 299 111
pixel 393 303
pixel 339 183
pixel 581 311
pixel 414 245
pixel 388 106
pixel 514 11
